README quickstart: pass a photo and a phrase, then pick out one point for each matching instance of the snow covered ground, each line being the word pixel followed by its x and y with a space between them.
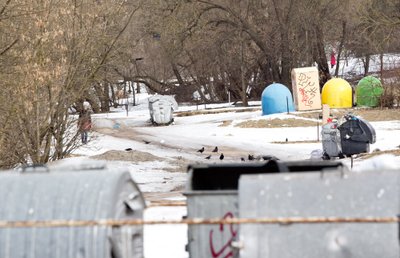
pixel 174 147
pixel 349 67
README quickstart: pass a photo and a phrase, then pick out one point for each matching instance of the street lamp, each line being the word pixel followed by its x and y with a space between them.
pixel 137 71
pixel 137 84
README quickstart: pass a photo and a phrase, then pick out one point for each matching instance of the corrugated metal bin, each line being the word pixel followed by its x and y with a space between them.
pixel 212 192
pixel 161 109
pixel 70 195
pixel 337 194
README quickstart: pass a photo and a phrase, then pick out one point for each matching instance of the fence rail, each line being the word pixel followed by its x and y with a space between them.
pixel 194 221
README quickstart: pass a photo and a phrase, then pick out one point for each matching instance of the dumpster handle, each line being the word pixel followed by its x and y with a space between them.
pixel 35 168
pixel 129 202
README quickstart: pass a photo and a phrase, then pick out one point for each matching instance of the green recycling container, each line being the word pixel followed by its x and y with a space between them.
pixel 368 91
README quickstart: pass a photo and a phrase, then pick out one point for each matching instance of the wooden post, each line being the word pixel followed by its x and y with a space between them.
pixel 287 104
pixel 351 158
pixel 325 113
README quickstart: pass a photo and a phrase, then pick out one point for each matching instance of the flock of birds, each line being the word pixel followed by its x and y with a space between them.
pixel 215 150
pixel 130 149
pixel 249 157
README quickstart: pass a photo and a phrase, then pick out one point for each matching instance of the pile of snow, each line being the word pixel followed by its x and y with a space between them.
pixel 378 163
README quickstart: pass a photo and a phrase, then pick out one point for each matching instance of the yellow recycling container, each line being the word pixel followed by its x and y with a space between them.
pixel 337 93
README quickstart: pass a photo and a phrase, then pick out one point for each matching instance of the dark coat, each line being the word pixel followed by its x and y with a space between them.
pixel 84 121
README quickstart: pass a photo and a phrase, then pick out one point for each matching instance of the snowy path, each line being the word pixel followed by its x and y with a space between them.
pixel 189 134
pixel 159 167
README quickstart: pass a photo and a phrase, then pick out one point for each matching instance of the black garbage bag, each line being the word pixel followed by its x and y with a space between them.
pixel 356 135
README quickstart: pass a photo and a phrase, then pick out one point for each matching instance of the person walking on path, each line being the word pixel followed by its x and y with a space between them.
pixel 84 125
pixel 333 59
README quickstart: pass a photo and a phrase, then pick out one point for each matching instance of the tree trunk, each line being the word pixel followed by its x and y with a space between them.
pixel 366 64
pixel 242 79
pixel 320 56
pixel 274 67
pixel 113 97
pixel 285 59
pixel 177 74
pixel 102 93
pixel 381 61
pixel 105 97
pixel 92 99
pixel 342 40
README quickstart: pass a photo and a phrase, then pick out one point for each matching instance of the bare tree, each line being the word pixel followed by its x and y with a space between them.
pixel 58 56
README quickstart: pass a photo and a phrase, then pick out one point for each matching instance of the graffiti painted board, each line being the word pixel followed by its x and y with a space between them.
pixel 305 84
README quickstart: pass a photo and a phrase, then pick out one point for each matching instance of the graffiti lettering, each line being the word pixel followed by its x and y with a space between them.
pixel 232 232
pixel 307 89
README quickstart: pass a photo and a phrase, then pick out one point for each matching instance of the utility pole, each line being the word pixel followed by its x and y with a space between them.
pixel 244 85
pixel 137 72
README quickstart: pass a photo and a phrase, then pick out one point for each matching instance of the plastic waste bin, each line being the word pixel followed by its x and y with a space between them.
pixel 331 141
pixel 356 135
pixel 73 195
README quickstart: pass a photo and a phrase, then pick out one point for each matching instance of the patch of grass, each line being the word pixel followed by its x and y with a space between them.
pixel 276 123
pixel 376 153
pixel 295 142
pixel 384 114
pixel 369 114
pixel 226 123
pixel 215 111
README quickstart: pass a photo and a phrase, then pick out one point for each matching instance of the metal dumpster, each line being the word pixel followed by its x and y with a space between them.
pixel 337 194
pixel 161 108
pixel 314 166
pixel 356 135
pixel 212 192
pixel 76 196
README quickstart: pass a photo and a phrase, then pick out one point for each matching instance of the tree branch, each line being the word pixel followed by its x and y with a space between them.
pixel 4 7
pixel 8 47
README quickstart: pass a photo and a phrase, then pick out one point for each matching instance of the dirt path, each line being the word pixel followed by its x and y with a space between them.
pixel 151 153
pixel 126 133
pixel 230 154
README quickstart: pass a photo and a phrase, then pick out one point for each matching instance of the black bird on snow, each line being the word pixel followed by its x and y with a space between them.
pixel 251 157
pixel 242 159
pixel 269 157
pixel 146 142
pixel 215 149
pixel 208 157
pixel 128 149
pixel 221 157
pixel 201 150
